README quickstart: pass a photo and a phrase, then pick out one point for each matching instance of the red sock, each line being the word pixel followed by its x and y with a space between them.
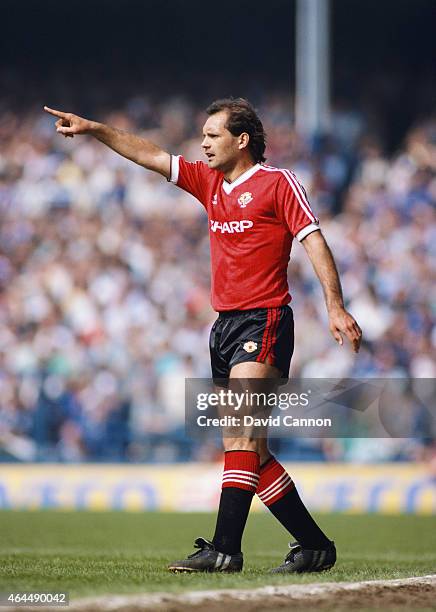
pixel 241 470
pixel 274 482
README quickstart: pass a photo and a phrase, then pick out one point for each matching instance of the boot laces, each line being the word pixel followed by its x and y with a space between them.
pixel 295 548
pixel 201 544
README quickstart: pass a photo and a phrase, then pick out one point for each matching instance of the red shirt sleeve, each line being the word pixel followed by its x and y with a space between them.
pixel 190 176
pixel 292 206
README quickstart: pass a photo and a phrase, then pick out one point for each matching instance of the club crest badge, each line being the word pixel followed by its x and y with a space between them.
pixel 215 200
pixel 250 346
pixel 244 199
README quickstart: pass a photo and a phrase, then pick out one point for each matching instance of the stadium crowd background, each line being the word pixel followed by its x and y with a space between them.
pixel 104 278
pixel 104 270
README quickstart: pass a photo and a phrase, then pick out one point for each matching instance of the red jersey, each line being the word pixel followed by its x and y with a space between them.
pixel 252 222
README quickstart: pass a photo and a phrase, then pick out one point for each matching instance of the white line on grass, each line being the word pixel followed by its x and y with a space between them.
pixel 162 601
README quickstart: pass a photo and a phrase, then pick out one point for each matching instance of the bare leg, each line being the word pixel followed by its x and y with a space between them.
pixel 247 370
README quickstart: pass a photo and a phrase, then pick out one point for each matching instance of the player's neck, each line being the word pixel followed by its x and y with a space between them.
pixel 241 167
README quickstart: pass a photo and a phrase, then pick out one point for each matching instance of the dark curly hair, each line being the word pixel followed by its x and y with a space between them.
pixel 242 118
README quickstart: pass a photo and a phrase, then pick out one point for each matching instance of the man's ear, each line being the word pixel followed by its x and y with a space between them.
pixel 244 139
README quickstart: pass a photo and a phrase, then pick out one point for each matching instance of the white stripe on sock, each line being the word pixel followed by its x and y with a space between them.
pixel 246 482
pixel 273 484
pixel 281 488
pixel 248 475
pixel 241 472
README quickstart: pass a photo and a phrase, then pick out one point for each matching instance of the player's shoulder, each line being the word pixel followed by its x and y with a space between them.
pixel 281 175
pixel 286 182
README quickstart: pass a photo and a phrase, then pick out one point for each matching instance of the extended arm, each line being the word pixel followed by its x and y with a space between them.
pixel 139 150
pixel 340 321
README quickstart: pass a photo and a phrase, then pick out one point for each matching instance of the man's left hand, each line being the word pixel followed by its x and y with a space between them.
pixel 341 322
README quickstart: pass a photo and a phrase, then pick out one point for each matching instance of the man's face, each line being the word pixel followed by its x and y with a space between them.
pixel 222 149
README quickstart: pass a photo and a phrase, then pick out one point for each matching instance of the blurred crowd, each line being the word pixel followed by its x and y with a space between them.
pixel 104 280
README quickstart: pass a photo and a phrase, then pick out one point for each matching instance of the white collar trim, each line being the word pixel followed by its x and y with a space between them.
pixel 228 187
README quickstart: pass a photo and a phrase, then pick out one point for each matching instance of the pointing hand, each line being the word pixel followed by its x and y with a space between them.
pixel 69 124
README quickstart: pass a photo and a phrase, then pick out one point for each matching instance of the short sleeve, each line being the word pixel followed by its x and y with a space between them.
pixel 190 176
pixel 293 207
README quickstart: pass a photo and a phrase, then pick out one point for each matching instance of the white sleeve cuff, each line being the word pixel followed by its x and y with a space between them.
pixel 312 227
pixel 175 163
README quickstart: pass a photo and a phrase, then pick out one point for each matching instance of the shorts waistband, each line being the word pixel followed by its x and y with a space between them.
pixel 227 314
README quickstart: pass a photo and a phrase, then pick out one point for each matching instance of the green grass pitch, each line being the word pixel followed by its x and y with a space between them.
pixel 89 553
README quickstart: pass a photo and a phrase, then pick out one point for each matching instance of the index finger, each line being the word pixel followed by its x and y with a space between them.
pixel 54 112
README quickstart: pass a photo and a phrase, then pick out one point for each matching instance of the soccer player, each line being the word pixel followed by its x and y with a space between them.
pixel 255 211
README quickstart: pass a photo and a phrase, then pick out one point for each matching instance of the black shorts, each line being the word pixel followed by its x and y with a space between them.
pixel 261 334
